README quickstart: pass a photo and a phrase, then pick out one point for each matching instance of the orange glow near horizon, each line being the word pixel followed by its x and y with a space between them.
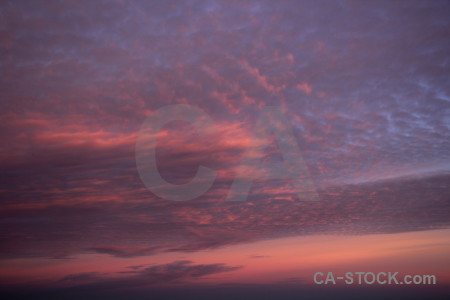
pixel 268 261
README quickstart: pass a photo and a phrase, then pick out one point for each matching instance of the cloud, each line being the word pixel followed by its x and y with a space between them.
pixel 154 226
pixel 304 87
pixel 365 87
pixel 164 274
pixel 183 270
pixel 125 251
pixel 258 256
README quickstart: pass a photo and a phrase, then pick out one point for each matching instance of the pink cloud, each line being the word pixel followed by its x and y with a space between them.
pixel 304 87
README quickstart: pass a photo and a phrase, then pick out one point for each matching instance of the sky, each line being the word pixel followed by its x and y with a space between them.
pixel 364 91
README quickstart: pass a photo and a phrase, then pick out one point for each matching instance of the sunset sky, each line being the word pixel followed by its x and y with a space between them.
pixel 363 85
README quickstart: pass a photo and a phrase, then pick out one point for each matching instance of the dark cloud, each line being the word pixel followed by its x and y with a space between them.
pixel 146 228
pixel 125 251
pixel 177 271
pixel 258 256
